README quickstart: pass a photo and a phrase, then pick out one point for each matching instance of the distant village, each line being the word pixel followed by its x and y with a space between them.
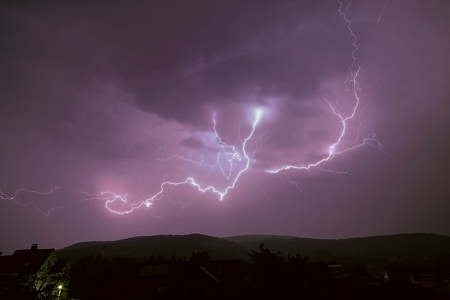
pixel 36 273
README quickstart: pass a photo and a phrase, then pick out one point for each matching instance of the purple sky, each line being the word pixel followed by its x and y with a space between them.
pixel 107 96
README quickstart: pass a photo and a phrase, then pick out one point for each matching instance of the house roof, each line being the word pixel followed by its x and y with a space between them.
pixel 24 261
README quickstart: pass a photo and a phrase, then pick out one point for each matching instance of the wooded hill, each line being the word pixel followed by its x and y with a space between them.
pixel 400 246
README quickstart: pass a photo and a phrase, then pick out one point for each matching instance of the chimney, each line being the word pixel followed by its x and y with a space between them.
pixel 34 246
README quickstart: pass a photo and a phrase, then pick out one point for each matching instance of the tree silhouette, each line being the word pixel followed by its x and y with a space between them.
pixel 265 257
pixel 40 285
pixel 268 269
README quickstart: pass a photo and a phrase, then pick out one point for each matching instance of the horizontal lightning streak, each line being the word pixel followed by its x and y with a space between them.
pixel 18 194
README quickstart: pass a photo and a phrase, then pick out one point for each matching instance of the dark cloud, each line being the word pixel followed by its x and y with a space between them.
pixel 175 59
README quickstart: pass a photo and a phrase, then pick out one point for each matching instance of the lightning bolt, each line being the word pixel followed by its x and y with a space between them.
pixel 229 151
pixel 351 85
pixel 234 160
pixel 16 198
pixel 228 154
pixel 17 194
pixel 382 9
pixel 119 204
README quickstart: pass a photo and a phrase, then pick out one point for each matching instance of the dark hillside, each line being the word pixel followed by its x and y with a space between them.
pixel 180 246
pixel 400 245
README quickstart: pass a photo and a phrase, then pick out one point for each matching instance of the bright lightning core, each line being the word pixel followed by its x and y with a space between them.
pixel 257 115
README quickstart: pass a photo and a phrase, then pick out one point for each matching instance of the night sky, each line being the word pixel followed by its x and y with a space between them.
pixel 101 102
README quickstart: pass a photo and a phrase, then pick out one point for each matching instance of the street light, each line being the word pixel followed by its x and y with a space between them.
pixel 60 288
